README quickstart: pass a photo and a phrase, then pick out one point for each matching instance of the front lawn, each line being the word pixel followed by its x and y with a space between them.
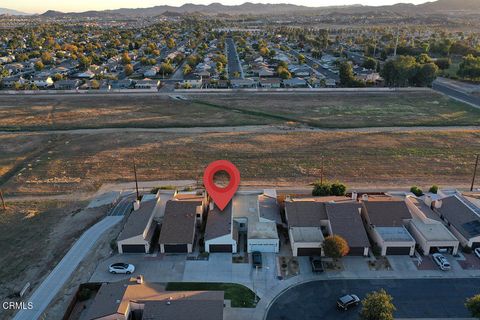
pixel 241 296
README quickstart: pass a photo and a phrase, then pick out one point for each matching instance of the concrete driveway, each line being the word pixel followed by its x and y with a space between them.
pixel 154 268
pixel 414 298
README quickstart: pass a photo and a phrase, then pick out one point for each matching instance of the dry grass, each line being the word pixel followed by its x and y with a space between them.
pixel 342 110
pixel 73 112
pixel 84 162
pixel 35 235
pixel 352 110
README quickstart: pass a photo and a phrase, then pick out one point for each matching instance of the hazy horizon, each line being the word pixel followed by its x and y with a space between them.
pixel 33 6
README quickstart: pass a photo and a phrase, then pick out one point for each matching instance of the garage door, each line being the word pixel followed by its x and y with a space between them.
pixel 398 251
pixel 356 251
pixel 220 248
pixel 175 248
pixel 309 251
pixel 133 248
pixel 441 249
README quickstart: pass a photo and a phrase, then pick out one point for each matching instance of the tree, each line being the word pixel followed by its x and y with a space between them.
pixel 166 68
pixel 57 77
pixel 424 58
pixel 369 63
pixel 473 305
pixel 128 68
pixel 377 305
pixel 39 65
pixel 335 247
pixel 126 58
pixel 84 62
pixel 187 69
pixel 95 84
pixel 443 63
pixel 470 67
pixel 346 74
pixel 426 74
pixel 416 191
pixel 47 58
pixel 170 43
pixel 301 59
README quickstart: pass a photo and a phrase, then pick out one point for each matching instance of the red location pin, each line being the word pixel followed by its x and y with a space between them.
pixel 221 196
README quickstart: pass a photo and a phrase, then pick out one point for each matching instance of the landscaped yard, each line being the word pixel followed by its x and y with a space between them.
pixel 240 296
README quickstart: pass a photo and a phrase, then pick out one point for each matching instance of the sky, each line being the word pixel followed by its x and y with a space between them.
pixel 40 6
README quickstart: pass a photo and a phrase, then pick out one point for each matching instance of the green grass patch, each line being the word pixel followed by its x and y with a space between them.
pixel 241 296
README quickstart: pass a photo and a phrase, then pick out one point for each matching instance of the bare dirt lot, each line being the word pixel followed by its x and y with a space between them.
pixel 82 162
pixel 325 110
pixel 34 236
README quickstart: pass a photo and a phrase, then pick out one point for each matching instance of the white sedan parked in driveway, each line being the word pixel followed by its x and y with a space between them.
pixel 121 268
pixel 441 261
pixel 477 252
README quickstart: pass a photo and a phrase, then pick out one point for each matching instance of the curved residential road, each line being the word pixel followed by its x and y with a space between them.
pixel 252 128
pixel 50 287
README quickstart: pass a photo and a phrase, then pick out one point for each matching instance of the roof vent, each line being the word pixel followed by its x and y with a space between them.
pixel 117 301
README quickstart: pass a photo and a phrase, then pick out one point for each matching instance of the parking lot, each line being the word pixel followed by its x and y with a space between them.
pixel 414 298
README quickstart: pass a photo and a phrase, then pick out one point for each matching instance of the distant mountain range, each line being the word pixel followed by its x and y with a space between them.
pixel 12 12
pixel 440 6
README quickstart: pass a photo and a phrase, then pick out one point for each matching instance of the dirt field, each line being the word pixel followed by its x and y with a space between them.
pixel 353 110
pixel 326 110
pixel 34 236
pixel 83 162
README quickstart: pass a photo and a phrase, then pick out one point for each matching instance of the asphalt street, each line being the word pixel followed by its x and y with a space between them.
pixel 233 60
pixel 413 298
pixel 452 92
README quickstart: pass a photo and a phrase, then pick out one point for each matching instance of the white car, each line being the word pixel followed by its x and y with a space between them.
pixel 441 261
pixel 121 268
pixel 477 252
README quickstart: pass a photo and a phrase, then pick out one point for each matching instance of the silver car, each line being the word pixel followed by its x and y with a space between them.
pixel 121 268
pixel 441 261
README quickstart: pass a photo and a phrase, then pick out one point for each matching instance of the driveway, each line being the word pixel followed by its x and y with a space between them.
pixel 160 268
pixel 414 298
pixel 47 290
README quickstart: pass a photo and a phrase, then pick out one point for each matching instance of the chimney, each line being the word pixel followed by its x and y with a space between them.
pixel 364 197
pixel 288 198
pixel 136 205
pixel 437 204
pixel 354 195
pixel 212 205
pixel 140 279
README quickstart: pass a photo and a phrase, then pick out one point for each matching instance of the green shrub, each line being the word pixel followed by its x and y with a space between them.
pixel 416 191
pixel 328 189
pixel 338 189
pixel 321 190
pixel 433 189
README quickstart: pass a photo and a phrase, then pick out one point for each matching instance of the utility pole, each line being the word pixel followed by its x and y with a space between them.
pixel 321 172
pixel 474 172
pixel 3 200
pixel 136 180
